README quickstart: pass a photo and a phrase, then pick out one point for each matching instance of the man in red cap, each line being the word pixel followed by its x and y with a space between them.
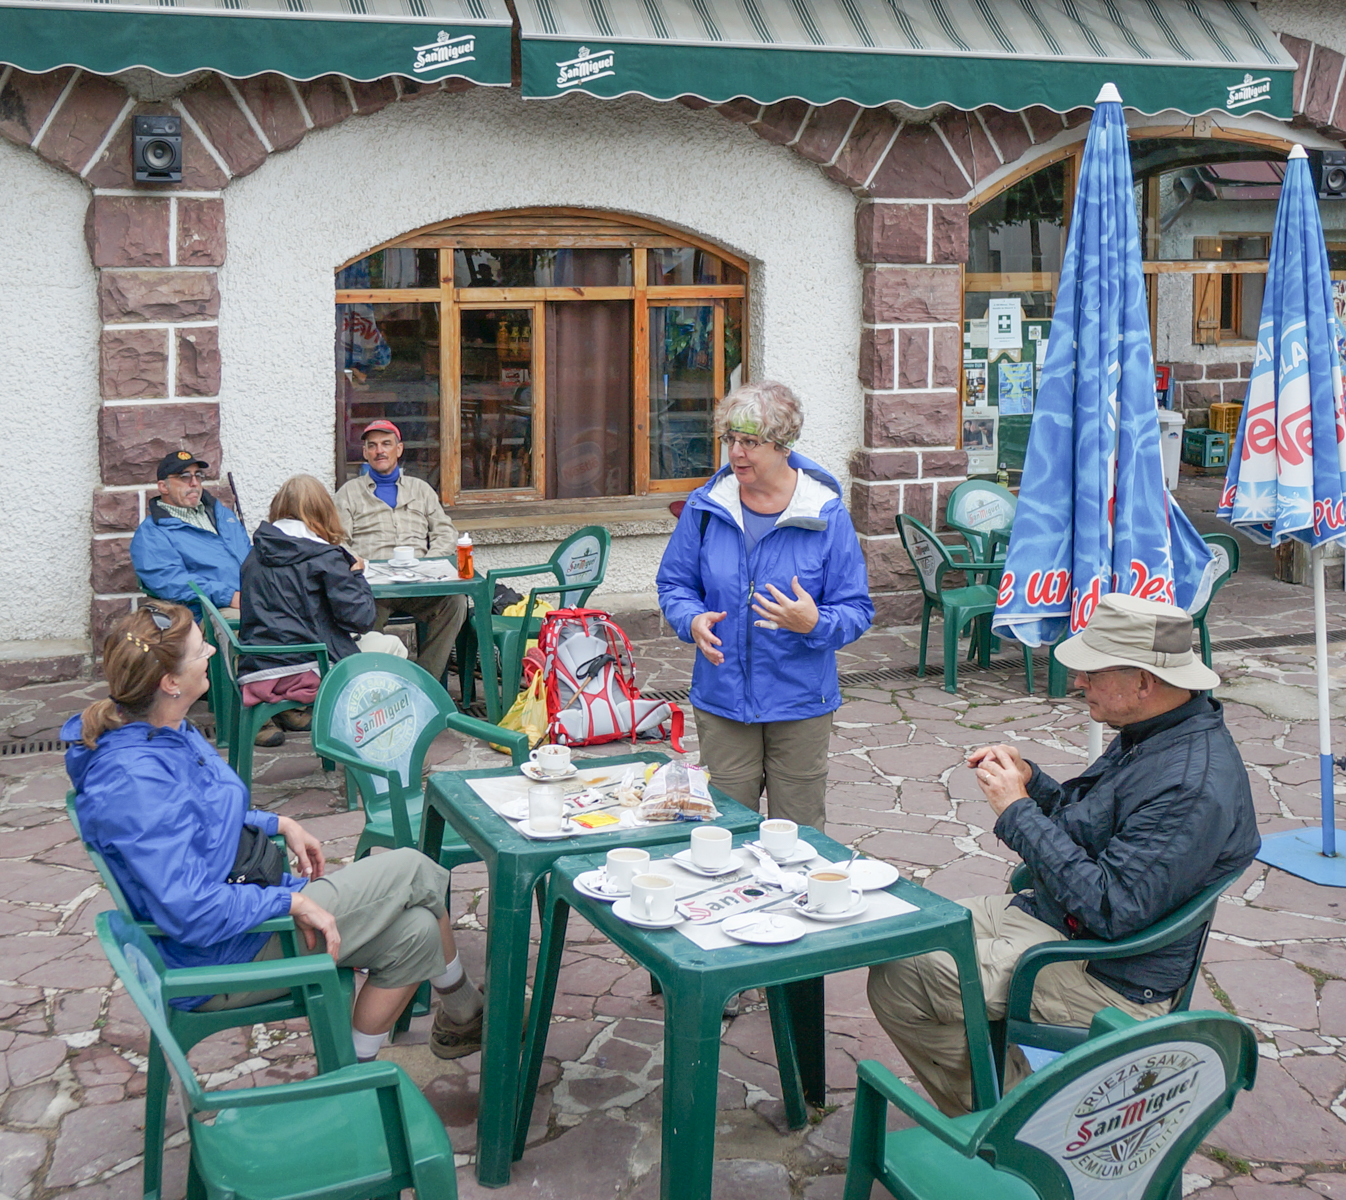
pixel 386 507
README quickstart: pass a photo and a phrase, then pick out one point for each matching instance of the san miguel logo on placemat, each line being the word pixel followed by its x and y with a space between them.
pixel 445 50
pixel 1249 91
pixel 590 65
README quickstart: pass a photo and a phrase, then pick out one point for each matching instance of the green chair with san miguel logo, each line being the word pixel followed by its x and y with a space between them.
pixel 1119 1115
pixel 376 715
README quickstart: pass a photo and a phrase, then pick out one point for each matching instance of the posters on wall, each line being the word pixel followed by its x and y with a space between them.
pixel 1005 317
pixel 1016 388
pixel 1000 386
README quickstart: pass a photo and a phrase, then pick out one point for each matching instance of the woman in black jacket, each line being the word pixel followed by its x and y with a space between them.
pixel 300 584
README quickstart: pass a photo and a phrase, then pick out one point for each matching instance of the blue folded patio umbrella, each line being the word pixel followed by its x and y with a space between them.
pixel 1094 515
pixel 1287 472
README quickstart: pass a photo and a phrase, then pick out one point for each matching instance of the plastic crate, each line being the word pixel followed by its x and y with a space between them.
pixel 1205 448
pixel 1224 418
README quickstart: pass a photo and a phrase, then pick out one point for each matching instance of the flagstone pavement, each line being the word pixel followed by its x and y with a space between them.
pixel 72 1047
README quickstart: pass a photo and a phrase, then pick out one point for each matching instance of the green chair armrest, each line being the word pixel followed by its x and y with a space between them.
pixel 1110 1020
pixel 516 740
pixel 1020 877
pixel 252 976
pixel 514 573
pixel 326 749
pixel 897 1093
pixel 358 1077
pixel 317 648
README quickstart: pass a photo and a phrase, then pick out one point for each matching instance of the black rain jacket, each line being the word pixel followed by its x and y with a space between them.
pixel 1164 813
pixel 295 591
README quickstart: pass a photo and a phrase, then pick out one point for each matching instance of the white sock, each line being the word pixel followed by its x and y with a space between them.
pixel 367 1045
pixel 452 974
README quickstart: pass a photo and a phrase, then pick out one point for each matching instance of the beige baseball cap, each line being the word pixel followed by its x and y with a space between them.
pixel 1126 631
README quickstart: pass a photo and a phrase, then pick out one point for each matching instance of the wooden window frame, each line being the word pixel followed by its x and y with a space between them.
pixel 556 228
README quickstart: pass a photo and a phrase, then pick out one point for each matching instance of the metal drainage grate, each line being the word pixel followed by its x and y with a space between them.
pixel 45 746
pixel 1276 640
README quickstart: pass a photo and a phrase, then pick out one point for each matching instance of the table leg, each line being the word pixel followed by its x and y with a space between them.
pixel 506 977
pixel 490 678
pixel 539 1014
pixel 691 1080
pixel 784 1029
pixel 806 1011
pixel 985 1085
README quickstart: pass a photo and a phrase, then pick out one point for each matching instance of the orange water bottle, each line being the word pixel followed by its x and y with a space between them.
pixel 465 568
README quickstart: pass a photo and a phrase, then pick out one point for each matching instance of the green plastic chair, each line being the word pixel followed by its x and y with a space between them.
pixel 376 715
pixel 190 1027
pixel 577 564
pixel 242 721
pixel 1019 1028
pixel 1118 1115
pixel 984 514
pixel 959 607
pixel 361 1129
pixel 1225 549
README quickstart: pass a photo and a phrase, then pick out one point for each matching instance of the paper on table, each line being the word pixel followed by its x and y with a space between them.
pixel 500 791
pixel 434 570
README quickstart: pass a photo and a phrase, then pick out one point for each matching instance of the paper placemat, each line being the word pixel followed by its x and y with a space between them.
pixel 500 791
pixel 426 570
pixel 711 901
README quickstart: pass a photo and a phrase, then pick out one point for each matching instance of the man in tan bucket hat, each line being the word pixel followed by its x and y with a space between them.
pixel 1165 812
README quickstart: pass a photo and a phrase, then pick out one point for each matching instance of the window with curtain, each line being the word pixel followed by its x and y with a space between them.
pixel 555 355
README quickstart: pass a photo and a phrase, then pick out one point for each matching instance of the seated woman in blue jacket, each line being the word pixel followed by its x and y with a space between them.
pixel 300 584
pixel 173 823
pixel 764 573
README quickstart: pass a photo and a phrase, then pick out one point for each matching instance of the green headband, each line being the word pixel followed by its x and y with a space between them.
pixel 753 429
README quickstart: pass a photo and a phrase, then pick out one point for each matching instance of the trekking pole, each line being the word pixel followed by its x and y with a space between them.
pixel 233 487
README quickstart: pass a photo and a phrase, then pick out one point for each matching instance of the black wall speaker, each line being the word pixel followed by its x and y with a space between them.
pixel 156 149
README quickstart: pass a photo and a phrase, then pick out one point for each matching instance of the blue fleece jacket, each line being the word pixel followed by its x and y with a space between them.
pixel 165 812
pixel 767 674
pixel 168 554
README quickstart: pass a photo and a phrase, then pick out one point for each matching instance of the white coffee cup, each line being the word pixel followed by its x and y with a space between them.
pixel 652 897
pixel 829 889
pixel 546 806
pixel 711 846
pixel 623 864
pixel 554 760
pixel 403 556
pixel 778 837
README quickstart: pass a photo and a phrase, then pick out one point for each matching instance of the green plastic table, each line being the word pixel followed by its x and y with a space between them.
pixel 479 593
pixel 514 865
pixel 696 983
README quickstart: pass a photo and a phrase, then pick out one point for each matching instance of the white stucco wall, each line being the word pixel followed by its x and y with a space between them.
pixel 370 179
pixel 1322 21
pixel 48 400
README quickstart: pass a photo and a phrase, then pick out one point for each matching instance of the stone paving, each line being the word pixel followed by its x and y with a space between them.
pixel 72 1047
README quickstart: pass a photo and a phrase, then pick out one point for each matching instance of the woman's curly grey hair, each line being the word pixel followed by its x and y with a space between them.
pixel 766 409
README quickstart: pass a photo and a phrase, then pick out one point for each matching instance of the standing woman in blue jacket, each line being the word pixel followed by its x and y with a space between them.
pixel 174 825
pixel 764 574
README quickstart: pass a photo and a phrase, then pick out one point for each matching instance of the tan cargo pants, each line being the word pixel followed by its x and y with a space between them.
pixel 918 1003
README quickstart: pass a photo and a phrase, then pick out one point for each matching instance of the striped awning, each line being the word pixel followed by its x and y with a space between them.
pixel 362 39
pixel 1195 56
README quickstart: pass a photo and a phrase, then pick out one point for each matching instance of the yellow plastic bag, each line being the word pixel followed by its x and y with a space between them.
pixel 528 713
pixel 540 608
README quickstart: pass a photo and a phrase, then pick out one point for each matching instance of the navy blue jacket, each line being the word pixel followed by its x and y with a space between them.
pixel 168 554
pixel 767 674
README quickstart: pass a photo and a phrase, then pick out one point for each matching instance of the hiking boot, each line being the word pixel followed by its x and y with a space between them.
pixel 269 736
pixel 449 1039
pixel 295 720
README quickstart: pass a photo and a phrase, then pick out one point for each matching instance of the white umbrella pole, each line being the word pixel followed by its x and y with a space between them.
pixel 1324 707
pixel 1095 741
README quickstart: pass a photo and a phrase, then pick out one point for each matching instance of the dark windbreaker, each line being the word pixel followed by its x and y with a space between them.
pixel 1164 813
pixel 295 591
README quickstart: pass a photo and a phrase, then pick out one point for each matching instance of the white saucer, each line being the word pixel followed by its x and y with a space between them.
pixel 858 905
pixel 526 828
pixel 517 810
pixel 869 874
pixel 538 775
pixel 800 854
pixel 684 859
pixel 766 929
pixel 622 910
pixel 587 884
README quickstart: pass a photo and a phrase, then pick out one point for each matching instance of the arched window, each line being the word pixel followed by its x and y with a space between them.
pixel 541 355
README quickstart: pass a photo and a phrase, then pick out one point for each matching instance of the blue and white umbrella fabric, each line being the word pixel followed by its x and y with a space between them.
pixel 1094 515
pixel 1287 472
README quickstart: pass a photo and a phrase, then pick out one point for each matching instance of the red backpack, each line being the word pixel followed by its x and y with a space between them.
pixel 590 677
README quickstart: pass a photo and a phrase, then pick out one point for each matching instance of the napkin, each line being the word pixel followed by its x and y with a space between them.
pixel 768 871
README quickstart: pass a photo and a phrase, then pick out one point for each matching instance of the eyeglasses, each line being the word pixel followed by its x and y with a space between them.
pixel 162 621
pixel 192 476
pixel 730 440
pixel 1089 676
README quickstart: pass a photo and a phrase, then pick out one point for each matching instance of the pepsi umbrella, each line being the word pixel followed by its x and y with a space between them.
pixel 1287 473
pixel 1094 515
